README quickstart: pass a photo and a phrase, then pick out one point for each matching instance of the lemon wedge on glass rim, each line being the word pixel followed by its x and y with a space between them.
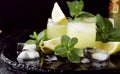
pixel 110 47
pixel 58 15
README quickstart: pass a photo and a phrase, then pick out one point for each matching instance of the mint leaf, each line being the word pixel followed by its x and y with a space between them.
pixel 31 36
pixel 35 35
pixel 42 35
pixel 61 51
pixel 36 38
pixel 108 25
pixel 72 57
pixel 103 24
pixel 75 7
pixel 77 51
pixel 100 23
pixel 115 39
pixel 104 27
pixel 115 34
pixel 105 30
pixel 104 37
pixel 85 14
pixel 66 49
pixel 72 42
pixel 64 40
pixel 30 41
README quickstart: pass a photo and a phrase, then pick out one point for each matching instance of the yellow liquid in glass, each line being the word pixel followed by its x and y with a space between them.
pixel 55 30
pixel 84 31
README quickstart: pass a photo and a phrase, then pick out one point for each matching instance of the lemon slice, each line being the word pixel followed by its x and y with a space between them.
pixel 57 15
pixel 99 45
pixel 110 47
pixel 49 45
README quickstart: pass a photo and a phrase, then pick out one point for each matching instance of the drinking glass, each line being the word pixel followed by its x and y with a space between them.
pixel 55 30
pixel 84 30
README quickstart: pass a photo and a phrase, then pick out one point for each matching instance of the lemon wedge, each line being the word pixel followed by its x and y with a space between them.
pixel 99 44
pixel 49 45
pixel 57 15
pixel 110 47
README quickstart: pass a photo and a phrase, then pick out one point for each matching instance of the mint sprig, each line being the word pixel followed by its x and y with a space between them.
pixel 36 38
pixel 105 30
pixel 66 49
pixel 76 9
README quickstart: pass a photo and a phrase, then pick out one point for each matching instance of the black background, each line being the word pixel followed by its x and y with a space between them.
pixel 33 14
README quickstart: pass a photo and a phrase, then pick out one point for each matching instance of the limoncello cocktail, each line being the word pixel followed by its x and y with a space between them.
pixel 84 30
pixel 55 30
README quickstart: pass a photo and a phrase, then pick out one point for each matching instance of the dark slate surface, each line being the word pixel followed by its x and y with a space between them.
pixel 7 38
pixel 4 69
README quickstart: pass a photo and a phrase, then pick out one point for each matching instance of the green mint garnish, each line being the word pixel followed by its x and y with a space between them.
pixel 105 30
pixel 66 49
pixel 36 38
pixel 76 9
